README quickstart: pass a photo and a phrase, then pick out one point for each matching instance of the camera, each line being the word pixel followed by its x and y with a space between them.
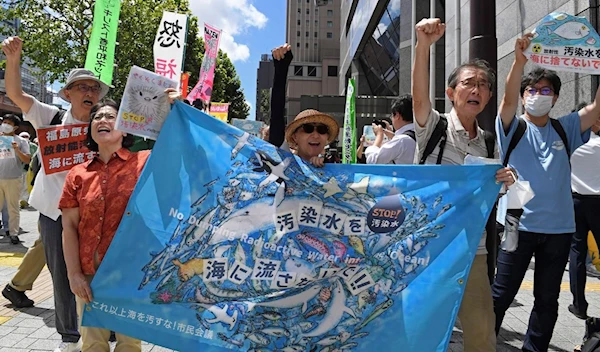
pixel 380 123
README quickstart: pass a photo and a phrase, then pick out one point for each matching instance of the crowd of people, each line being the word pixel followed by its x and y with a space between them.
pixel 80 210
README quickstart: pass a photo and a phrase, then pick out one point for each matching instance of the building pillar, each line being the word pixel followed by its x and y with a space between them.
pixel 484 45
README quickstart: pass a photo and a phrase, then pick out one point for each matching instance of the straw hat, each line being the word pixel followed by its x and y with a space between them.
pixel 313 116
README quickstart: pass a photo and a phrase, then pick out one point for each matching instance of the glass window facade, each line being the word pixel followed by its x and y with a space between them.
pixel 379 58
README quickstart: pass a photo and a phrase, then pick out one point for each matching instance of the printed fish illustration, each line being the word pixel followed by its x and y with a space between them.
pixel 200 298
pixel 229 340
pixel 242 141
pixel 380 309
pixel 357 244
pixel 348 346
pixel 221 315
pixel 334 313
pixel 317 310
pixel 275 331
pixel 339 249
pixel 301 298
pixel 272 315
pixel 437 201
pixel 258 338
pixel 571 30
pixel 314 242
pixel 444 209
pixel 223 293
pixel 366 297
pixel 330 340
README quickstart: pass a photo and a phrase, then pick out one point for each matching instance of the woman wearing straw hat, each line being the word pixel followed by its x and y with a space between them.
pixel 309 133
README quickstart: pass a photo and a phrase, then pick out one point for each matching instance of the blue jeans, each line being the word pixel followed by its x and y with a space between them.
pixel 551 254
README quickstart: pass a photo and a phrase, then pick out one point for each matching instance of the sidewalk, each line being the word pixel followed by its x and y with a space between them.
pixel 33 329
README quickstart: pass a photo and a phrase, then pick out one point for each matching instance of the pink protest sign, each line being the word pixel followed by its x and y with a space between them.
pixel 203 89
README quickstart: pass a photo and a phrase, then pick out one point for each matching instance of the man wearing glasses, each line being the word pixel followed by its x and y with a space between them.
pixel 547 224
pixel 82 90
pixel 469 90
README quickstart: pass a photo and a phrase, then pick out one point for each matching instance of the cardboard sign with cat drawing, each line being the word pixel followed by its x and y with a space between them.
pixel 145 105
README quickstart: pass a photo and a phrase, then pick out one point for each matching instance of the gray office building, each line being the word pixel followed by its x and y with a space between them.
pixel 264 83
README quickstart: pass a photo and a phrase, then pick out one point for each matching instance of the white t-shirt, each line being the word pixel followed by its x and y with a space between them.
pixel 47 188
pixel 585 161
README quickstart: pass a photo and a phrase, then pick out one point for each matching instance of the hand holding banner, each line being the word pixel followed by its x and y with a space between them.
pixel 243 246
pixel 145 105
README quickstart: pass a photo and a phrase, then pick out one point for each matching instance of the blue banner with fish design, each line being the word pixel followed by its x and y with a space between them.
pixel 563 42
pixel 230 243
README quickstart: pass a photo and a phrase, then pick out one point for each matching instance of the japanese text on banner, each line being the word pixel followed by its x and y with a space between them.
pixel 564 42
pixel 101 49
pixel 169 45
pixel 219 111
pixel 203 89
pixel 63 147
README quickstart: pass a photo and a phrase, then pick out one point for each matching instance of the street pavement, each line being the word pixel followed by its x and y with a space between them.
pixel 33 329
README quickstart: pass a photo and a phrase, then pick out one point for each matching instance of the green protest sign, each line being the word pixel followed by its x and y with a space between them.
pixel 101 49
pixel 349 137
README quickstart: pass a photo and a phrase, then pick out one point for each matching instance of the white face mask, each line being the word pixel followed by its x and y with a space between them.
pixel 6 128
pixel 538 105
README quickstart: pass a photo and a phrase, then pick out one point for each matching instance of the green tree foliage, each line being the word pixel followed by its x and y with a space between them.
pixel 56 34
pixel 227 88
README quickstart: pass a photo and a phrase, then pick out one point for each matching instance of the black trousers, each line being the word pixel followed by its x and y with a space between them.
pixel 587 218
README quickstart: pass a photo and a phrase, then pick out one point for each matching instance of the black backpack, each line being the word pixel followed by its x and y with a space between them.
pixel 35 163
pixel 411 134
pixel 439 136
pixel 522 127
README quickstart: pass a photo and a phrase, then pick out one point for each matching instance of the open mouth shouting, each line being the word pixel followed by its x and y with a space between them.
pixel 473 102
pixel 88 103
pixel 104 130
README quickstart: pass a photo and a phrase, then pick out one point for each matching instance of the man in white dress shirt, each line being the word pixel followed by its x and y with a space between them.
pixel 401 148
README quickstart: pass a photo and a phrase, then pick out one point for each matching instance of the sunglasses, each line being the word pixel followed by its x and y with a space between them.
pixel 310 128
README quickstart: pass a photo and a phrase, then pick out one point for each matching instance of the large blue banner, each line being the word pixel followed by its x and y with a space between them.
pixel 230 243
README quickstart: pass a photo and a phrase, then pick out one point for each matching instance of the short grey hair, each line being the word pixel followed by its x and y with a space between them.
pixel 477 64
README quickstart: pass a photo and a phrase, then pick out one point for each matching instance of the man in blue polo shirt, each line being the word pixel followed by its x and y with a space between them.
pixel 547 225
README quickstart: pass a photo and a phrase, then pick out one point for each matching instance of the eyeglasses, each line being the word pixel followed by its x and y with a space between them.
pixel 542 91
pixel 471 83
pixel 109 117
pixel 84 88
pixel 310 128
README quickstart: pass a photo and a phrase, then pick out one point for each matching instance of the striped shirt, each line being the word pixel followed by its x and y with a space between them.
pixel 458 146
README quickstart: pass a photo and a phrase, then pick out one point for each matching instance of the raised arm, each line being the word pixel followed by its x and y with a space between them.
pixel 590 114
pixel 12 48
pixel 512 92
pixel 282 57
pixel 429 31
